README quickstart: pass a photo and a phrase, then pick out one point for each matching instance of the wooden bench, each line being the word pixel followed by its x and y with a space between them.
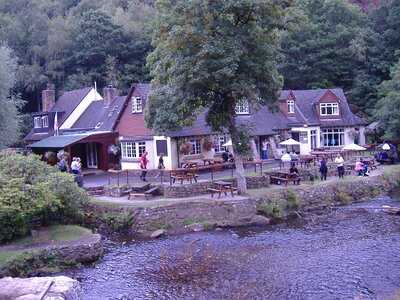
pixel 146 194
pixel 278 180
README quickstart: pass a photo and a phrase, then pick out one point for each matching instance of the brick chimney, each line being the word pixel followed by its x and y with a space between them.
pixel 48 97
pixel 109 93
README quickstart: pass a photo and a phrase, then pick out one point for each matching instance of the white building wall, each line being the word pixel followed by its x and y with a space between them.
pixel 170 160
pixel 362 135
pixel 93 95
pixel 134 164
pixel 348 136
pixel 305 148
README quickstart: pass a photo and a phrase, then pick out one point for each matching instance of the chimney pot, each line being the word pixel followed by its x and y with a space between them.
pixel 109 93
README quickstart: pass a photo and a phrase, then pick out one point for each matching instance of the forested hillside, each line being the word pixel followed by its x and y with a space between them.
pixel 72 43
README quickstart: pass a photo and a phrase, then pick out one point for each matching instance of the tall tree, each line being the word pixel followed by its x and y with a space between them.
pixel 9 103
pixel 319 54
pixel 387 108
pixel 210 55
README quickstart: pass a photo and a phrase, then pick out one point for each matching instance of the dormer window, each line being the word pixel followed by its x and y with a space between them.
pixel 242 107
pixel 37 122
pixel 136 105
pixel 45 121
pixel 329 109
pixel 290 106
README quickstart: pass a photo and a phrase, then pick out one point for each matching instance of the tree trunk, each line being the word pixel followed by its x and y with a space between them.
pixel 240 173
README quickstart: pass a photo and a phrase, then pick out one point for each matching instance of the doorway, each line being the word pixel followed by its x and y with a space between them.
pixel 91 156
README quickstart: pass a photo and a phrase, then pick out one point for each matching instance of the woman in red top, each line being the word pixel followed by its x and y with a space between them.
pixel 143 165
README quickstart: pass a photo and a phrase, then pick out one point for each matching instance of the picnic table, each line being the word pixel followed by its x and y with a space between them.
pixel 222 187
pixel 189 174
pixel 283 177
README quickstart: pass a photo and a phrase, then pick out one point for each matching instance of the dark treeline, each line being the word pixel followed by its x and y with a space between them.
pixel 72 43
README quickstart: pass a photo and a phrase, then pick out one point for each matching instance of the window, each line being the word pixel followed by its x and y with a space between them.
pixel 218 142
pixel 313 139
pixel 141 148
pixel 303 137
pixel 131 150
pixel 290 106
pixel 329 109
pixel 242 107
pixel 332 137
pixel 136 105
pixel 45 121
pixel 37 122
pixel 196 146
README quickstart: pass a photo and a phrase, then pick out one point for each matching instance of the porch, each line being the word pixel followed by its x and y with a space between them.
pixel 92 148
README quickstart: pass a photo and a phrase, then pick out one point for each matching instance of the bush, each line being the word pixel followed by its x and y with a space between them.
pixel 33 193
pixel 292 201
pixel 343 197
pixel 119 222
pixel 270 209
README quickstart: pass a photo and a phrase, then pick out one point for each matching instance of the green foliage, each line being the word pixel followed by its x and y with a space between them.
pixel 33 193
pixel 9 102
pixel 270 209
pixel 118 222
pixel 387 109
pixel 292 201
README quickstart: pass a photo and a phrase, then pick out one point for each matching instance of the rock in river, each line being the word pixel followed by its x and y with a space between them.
pixel 158 233
pixel 54 288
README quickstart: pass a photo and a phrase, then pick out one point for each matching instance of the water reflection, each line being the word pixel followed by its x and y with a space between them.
pixel 353 252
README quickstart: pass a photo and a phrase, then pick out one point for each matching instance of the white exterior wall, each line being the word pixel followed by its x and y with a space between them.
pixel 134 164
pixel 348 137
pixel 93 95
pixel 170 160
pixel 362 135
pixel 305 148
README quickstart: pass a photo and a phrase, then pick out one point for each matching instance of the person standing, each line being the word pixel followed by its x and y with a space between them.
pixel 161 162
pixel 74 166
pixel 62 164
pixel 323 169
pixel 143 165
pixel 264 153
pixel 340 165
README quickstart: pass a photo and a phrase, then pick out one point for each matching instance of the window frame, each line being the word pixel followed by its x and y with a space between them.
pixel 196 146
pixel 290 106
pixel 328 135
pixel 219 140
pixel 323 109
pixel 37 122
pixel 131 150
pixel 242 107
pixel 137 105
pixel 45 121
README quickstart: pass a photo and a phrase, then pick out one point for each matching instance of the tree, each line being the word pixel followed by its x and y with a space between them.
pixel 387 108
pixel 210 55
pixel 9 103
pixel 319 54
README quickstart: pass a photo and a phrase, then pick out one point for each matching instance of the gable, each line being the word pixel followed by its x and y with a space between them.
pixel 329 97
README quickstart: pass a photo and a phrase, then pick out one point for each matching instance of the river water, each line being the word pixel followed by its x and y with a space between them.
pixel 349 253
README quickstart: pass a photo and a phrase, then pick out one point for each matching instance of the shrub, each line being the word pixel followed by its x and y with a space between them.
pixel 270 209
pixel 33 193
pixel 343 197
pixel 292 201
pixel 119 222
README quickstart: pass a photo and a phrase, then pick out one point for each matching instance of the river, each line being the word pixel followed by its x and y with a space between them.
pixel 349 253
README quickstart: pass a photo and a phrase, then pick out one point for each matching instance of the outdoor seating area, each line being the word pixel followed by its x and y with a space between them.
pixel 281 178
pixel 222 187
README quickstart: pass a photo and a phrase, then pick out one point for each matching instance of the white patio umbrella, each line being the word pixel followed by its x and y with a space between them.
pixel 286 158
pixel 227 144
pixel 386 146
pixel 354 147
pixel 290 142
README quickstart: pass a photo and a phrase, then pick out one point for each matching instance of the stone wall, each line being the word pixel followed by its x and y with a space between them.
pixel 188 190
pixel 176 217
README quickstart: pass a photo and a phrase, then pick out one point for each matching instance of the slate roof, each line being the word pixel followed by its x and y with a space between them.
pixel 68 102
pixel 265 122
pixel 99 117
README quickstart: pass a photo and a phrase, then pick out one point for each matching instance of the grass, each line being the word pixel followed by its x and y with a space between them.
pixel 6 256
pixel 55 233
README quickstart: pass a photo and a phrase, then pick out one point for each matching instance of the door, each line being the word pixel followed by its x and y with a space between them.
pixel 91 155
pixel 313 139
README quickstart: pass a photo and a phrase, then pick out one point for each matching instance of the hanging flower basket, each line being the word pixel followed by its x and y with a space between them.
pixel 185 148
pixel 207 145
